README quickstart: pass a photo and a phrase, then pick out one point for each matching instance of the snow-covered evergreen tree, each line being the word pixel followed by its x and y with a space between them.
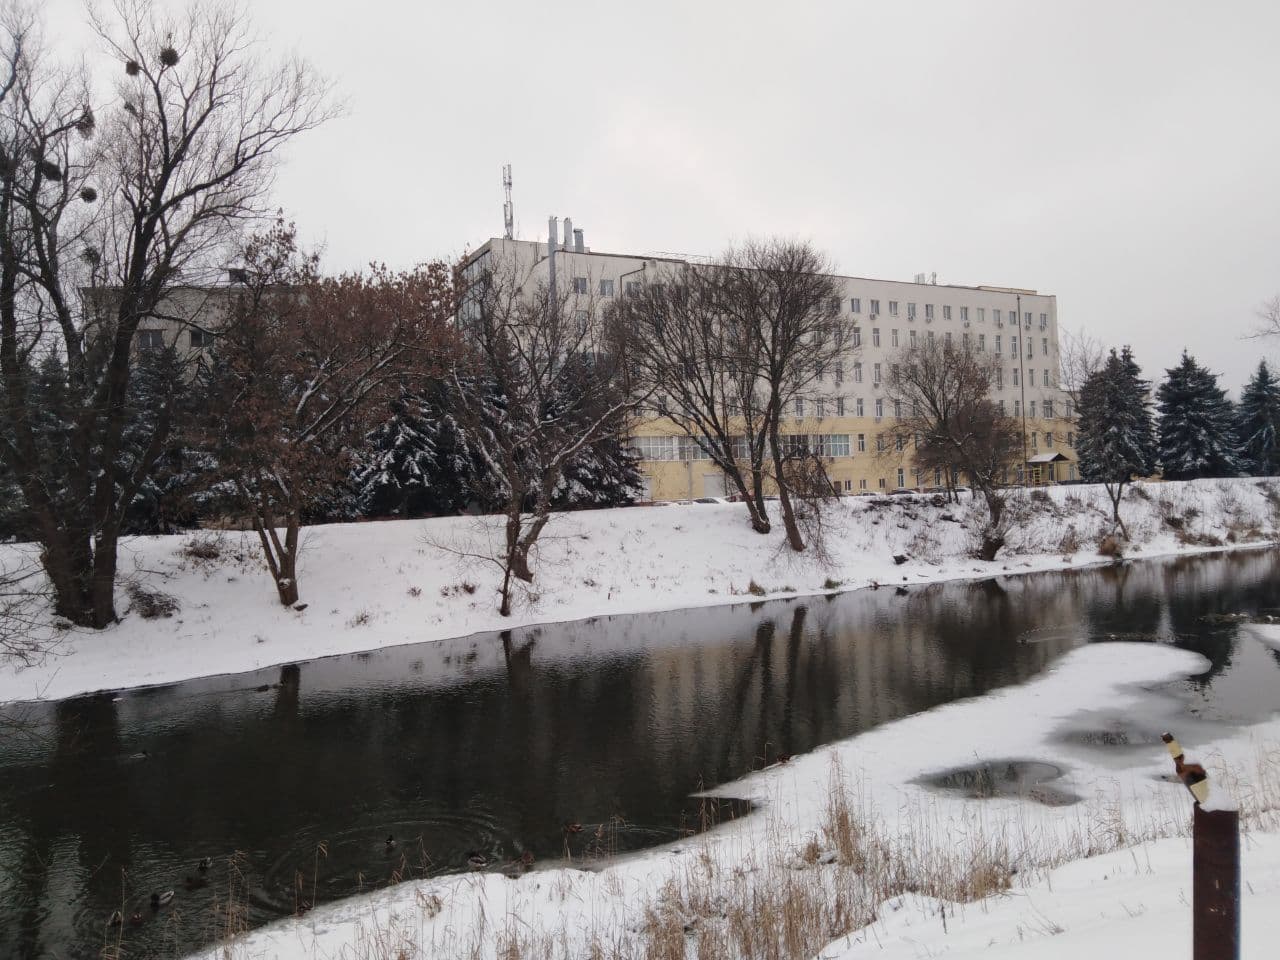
pixel 1117 439
pixel 1197 424
pixel 604 474
pixel 416 462
pixel 1257 422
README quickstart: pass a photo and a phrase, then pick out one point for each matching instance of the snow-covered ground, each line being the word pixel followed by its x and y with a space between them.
pixel 1109 874
pixel 378 584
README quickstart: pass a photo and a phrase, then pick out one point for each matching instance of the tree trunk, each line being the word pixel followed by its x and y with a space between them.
pixel 104 580
pixel 67 562
pixel 761 511
pixel 794 540
pixel 993 538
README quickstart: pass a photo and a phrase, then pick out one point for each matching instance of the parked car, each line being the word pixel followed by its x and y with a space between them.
pixel 711 500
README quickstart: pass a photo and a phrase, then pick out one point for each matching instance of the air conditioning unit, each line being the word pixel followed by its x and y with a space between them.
pixel 966 324
pixel 1000 323
pixel 873 316
pixel 928 319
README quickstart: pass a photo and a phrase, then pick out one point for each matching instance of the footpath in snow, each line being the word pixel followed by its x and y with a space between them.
pixel 373 585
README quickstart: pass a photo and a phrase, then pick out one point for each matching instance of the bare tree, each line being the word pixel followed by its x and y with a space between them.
pixel 303 366
pixel 782 306
pixel 1269 318
pixel 1081 357
pixel 680 352
pixel 951 422
pixel 98 222
pixel 533 388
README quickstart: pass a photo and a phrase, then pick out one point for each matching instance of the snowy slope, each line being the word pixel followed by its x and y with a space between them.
pixel 377 584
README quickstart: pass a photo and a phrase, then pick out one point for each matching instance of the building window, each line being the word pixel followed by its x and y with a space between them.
pixel 1031 348
pixel 964 314
pixel 1071 439
pixel 875 336
pixel 897 409
pixel 875 308
pixel 879 443
pixel 875 375
pixel 857 336
pixel 929 336
pixel 999 378
pixel 862 484
pixel 946 311
pixel 1027 319
pixel 928 311
pixel 902 477
pixel 1044 320
pixel 862 443
pixel 1031 409
pixel 580 318
pixel 633 288
pixel 900 442
pixel 946 340
pixel 839 371
pixel 1017 408
pixel 1048 409
pixel 1031 376
pixel 882 483
pixel 858 407
pixel 839 406
pixel 835 304
pixel 982 315
pixel 150 340
pixel 879 407
pixel 913 338
pixel 690 449
pixel 857 373
pixel 606 288
pixel 1048 440
pixel 998 343
pixel 848 486
pixel 579 284
pixel 200 339
pixel 911 311
pixel 799 406
pixel 655 448
pixel 1000 404
pixel 982 342
pixel 1013 376
pixel 1067 409
pixel 855 304
pixel 995 315
pixel 835 445
pixel 822 408
pixel 893 308
pixel 893 336
pixel 1013 346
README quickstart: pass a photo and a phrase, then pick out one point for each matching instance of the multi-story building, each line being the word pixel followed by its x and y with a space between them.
pixel 850 426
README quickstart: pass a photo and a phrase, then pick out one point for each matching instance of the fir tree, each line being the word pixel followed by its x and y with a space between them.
pixel 416 462
pixel 1197 424
pixel 1116 437
pixel 605 474
pixel 1258 419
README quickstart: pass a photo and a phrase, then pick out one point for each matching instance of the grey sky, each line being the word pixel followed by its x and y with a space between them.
pixel 1120 155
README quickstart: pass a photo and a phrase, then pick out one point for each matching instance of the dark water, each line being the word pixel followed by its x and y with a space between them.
pixel 292 779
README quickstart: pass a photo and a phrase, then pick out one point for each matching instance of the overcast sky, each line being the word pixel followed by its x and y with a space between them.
pixel 1123 156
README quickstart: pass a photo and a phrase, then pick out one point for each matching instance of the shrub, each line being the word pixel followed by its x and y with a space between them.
pixel 755 589
pixel 151 604
pixel 1040 495
pixel 1138 492
pixel 206 547
pixel 1070 542
pixel 1111 546
pixel 830 584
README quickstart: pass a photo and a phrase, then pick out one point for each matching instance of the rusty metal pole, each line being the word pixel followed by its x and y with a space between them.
pixel 1215 884
pixel 1215 866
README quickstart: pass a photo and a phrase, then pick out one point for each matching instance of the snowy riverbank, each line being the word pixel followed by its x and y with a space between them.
pixel 373 585
pixel 842 833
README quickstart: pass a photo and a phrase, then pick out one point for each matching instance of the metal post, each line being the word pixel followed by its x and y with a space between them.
pixel 1215 885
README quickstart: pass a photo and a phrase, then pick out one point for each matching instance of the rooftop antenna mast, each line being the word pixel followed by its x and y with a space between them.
pixel 508 211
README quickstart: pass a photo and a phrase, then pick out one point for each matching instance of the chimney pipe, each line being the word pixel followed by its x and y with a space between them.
pixel 553 228
pixel 568 234
pixel 578 245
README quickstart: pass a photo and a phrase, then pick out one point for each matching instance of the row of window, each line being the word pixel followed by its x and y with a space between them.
pixel 913 339
pixel 152 340
pixel 822 444
pixel 855 306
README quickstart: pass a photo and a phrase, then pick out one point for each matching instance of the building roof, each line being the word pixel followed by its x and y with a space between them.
pixel 1054 457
